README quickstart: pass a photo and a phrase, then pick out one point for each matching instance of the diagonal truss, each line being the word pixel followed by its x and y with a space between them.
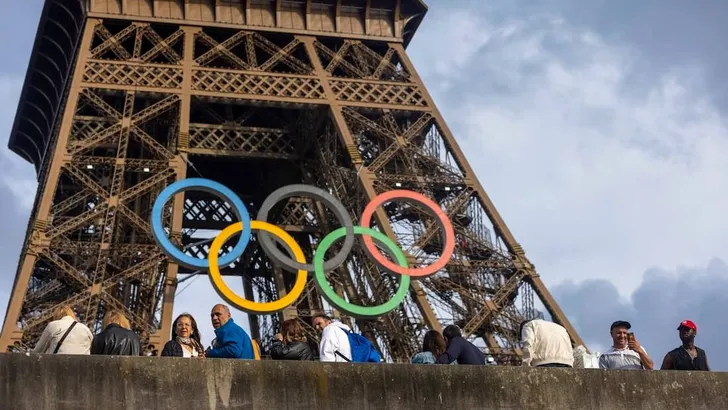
pixel 150 103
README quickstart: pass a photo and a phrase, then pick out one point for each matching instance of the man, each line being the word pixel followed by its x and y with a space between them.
pixel 231 342
pixel 459 349
pixel 624 354
pixel 688 356
pixel 546 344
pixel 334 341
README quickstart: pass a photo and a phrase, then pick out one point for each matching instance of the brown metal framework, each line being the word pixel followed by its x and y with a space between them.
pixel 125 96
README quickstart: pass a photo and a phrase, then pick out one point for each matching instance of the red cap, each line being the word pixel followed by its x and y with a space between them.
pixel 689 324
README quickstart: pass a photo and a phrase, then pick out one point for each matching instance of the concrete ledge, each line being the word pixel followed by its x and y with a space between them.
pixel 100 382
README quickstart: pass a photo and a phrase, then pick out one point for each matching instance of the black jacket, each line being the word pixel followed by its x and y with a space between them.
pixel 116 341
pixel 174 348
pixel 463 351
pixel 291 351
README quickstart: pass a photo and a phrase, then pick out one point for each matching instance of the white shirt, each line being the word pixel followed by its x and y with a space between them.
pixel 78 340
pixel 333 338
pixel 187 353
pixel 621 359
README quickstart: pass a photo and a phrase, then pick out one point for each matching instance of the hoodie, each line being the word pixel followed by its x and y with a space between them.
pixel 333 339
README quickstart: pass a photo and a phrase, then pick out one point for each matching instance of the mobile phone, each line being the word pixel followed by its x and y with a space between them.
pixel 630 336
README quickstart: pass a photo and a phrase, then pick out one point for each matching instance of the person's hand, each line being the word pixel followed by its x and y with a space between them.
pixel 634 345
pixel 279 336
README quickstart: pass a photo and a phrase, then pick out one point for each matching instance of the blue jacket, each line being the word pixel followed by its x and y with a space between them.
pixel 232 343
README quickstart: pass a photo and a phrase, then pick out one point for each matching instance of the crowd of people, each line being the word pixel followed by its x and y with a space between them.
pixel 543 343
pixel 547 344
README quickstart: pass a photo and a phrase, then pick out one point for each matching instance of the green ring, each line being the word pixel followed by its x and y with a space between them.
pixel 339 302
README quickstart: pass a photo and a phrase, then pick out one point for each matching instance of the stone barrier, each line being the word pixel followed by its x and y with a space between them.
pixel 36 382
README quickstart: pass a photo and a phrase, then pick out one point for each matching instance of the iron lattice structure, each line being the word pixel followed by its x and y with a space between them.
pixel 124 97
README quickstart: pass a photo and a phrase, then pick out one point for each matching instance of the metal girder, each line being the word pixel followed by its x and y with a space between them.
pixel 348 115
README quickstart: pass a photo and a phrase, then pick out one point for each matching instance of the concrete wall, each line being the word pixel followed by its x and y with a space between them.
pixel 95 382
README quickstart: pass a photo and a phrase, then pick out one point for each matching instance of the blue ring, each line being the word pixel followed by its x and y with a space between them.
pixel 212 187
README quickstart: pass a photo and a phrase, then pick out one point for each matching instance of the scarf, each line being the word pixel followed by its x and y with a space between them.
pixel 190 342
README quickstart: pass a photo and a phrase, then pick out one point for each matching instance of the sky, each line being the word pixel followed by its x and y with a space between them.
pixel 597 128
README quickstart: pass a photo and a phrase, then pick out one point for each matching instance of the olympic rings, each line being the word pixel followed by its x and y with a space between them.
pixel 434 211
pixel 246 305
pixel 340 303
pixel 210 187
pixel 296 260
pixel 337 207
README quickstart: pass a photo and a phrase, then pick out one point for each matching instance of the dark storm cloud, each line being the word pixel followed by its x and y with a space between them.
pixel 655 309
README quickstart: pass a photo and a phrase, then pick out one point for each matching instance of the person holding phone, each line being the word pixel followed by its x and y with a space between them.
pixel 626 352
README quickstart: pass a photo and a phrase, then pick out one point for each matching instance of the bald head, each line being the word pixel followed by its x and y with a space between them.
pixel 220 315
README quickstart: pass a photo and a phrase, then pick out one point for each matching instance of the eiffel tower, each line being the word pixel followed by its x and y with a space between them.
pixel 124 97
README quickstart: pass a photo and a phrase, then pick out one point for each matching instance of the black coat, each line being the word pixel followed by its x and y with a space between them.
pixel 174 348
pixel 291 351
pixel 116 341
pixel 463 351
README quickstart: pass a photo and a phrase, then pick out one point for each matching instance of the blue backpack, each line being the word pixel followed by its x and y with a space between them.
pixel 362 350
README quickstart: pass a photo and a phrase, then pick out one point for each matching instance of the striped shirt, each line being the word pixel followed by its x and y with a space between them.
pixel 621 359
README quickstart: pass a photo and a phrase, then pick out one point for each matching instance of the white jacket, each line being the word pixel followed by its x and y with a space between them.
pixel 333 339
pixel 546 342
pixel 77 342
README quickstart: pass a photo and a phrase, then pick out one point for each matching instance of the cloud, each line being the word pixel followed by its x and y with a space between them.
pixel 601 170
pixel 603 157
pixel 661 301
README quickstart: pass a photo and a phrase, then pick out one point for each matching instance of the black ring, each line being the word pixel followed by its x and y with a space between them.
pixel 316 193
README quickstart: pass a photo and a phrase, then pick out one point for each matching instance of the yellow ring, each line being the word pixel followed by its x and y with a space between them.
pixel 246 305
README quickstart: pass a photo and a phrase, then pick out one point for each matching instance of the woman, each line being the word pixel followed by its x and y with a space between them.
pixel 432 346
pixel 65 334
pixel 186 341
pixel 291 343
pixel 117 338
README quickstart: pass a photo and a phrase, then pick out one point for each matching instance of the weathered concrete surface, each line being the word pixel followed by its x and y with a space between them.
pixel 36 382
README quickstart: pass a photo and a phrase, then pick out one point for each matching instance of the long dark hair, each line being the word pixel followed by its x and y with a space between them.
pixel 434 343
pixel 195 333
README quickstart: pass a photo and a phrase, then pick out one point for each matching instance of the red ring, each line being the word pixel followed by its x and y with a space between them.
pixel 449 247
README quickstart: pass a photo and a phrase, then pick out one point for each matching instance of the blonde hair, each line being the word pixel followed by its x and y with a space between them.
pixel 115 317
pixel 63 311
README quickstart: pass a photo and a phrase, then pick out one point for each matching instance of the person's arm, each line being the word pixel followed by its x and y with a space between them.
pixel 136 346
pixel 328 348
pixel 647 363
pixel 280 351
pixel 707 367
pixel 168 350
pixel 603 363
pixel 667 363
pixel 231 347
pixel 44 340
pixel 451 354
pixel 529 337
pixel 97 344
